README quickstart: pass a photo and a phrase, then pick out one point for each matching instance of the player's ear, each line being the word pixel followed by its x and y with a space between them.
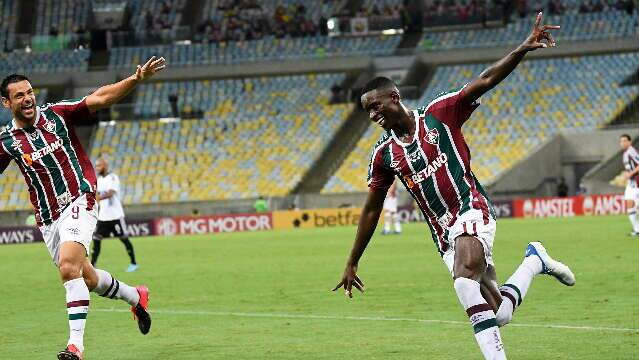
pixel 5 102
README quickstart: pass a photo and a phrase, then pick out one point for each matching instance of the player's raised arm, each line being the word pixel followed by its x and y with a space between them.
pixel 539 37
pixel 111 94
pixel 367 224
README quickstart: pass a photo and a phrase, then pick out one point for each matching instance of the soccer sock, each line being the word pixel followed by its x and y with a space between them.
pixel 398 225
pixel 129 248
pixel 77 308
pixel 482 319
pixel 110 287
pixel 97 246
pixel 387 221
pixel 632 215
pixel 515 288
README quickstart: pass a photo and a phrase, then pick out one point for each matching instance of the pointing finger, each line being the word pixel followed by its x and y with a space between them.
pixel 538 20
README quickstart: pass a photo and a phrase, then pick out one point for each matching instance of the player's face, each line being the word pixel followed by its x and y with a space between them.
pixel 21 101
pixel 383 107
pixel 101 167
pixel 624 142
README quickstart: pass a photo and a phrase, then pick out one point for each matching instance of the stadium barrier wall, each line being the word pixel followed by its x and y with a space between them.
pixel 547 207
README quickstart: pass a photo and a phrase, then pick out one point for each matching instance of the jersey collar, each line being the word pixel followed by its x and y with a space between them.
pixel 415 117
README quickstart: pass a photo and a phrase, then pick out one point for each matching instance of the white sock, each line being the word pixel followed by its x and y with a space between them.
pixel 515 288
pixel 632 215
pixel 387 221
pixel 77 308
pixel 482 319
pixel 111 288
pixel 398 225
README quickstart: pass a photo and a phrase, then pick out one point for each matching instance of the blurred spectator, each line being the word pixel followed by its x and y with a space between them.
pixel 260 205
pixel 173 100
pixel 562 188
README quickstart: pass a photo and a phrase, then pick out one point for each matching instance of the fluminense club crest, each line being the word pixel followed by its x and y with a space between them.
pixel 49 126
pixel 15 145
pixel 432 137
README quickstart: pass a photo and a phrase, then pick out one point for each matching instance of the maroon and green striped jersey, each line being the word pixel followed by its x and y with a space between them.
pixel 435 166
pixel 50 157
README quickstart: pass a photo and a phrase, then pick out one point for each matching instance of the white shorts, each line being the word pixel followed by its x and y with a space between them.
pixel 76 223
pixel 631 193
pixel 471 223
pixel 390 204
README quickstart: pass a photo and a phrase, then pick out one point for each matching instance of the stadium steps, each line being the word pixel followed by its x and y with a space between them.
pixel 352 6
pixel 408 43
pixel 334 154
pixel 192 15
pixel 26 21
pixel 630 114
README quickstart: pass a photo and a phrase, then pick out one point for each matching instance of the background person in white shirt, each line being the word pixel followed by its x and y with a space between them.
pixel 110 214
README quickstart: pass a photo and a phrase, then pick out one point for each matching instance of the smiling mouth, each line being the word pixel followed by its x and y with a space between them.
pixel 381 121
pixel 29 107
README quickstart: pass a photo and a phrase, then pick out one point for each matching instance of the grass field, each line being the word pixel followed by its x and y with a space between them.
pixel 266 296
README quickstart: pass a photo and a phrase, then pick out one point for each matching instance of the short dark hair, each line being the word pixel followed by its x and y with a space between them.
pixel 379 82
pixel 13 78
pixel 626 136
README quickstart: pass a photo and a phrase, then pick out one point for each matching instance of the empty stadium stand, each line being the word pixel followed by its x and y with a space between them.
pixel 574 26
pixel 257 138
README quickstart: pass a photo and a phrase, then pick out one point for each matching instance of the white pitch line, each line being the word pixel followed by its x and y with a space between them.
pixel 364 318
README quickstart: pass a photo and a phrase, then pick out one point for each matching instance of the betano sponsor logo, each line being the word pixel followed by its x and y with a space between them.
pixel 434 165
pixel 30 158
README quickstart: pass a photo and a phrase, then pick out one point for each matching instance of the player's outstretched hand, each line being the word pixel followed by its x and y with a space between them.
pixel 350 279
pixel 152 66
pixel 540 36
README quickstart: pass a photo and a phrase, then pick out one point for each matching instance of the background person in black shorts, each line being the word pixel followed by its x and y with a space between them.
pixel 110 214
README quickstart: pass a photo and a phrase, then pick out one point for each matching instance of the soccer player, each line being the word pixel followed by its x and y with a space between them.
pixel 62 185
pixel 110 214
pixel 631 195
pixel 426 150
pixel 390 211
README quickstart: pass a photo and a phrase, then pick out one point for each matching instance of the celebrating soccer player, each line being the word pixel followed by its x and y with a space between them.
pixel 62 187
pixel 426 150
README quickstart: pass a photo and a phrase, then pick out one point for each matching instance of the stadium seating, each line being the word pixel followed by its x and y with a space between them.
pixel 266 49
pixel 591 26
pixel 63 15
pixel 257 138
pixel 540 99
pixel 7 9
pixel 171 16
pixel 56 61
pixel 351 175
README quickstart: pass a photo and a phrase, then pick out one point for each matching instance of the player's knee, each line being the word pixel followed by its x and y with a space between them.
pixel 503 316
pixel 69 270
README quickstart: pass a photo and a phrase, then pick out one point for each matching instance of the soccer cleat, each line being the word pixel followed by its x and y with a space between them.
pixel 385 232
pixel 132 268
pixel 549 265
pixel 633 234
pixel 141 310
pixel 70 353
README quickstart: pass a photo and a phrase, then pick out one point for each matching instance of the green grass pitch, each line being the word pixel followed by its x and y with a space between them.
pixel 266 296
